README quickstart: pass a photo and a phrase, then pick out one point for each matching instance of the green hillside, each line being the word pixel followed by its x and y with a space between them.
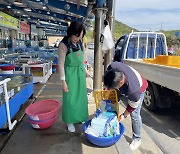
pixel 170 33
pixel 121 29
pixel 172 40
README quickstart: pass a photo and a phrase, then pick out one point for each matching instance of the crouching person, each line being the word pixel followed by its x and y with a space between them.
pixel 130 83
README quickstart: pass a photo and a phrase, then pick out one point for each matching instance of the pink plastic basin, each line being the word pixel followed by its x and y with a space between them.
pixel 44 124
pixel 43 110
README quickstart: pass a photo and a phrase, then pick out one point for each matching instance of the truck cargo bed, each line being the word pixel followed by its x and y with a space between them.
pixel 164 75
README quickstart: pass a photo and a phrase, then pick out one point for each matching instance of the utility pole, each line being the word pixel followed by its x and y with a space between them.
pixel 100 11
pixel 161 26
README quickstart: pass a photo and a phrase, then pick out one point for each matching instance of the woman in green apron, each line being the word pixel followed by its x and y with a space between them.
pixel 73 76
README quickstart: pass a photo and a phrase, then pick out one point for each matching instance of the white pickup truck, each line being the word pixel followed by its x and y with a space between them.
pixel 143 51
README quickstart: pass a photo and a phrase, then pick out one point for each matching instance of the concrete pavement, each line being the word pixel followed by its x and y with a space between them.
pixel 147 146
pixel 57 139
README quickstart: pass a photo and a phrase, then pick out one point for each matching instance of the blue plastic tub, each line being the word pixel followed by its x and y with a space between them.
pixel 103 141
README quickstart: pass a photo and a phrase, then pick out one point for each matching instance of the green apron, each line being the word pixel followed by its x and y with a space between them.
pixel 75 102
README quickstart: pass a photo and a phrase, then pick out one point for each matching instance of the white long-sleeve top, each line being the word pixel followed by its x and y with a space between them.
pixel 62 52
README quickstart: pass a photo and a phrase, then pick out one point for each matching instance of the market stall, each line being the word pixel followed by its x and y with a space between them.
pixel 14 92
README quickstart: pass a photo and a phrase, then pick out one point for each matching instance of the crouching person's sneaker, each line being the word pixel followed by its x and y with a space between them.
pixel 135 144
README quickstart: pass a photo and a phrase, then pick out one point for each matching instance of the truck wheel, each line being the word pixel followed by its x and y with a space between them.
pixel 149 99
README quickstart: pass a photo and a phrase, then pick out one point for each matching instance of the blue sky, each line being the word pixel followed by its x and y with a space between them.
pixel 149 14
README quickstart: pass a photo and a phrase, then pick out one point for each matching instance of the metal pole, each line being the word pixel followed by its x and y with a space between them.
pixel 108 57
pixel 97 84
